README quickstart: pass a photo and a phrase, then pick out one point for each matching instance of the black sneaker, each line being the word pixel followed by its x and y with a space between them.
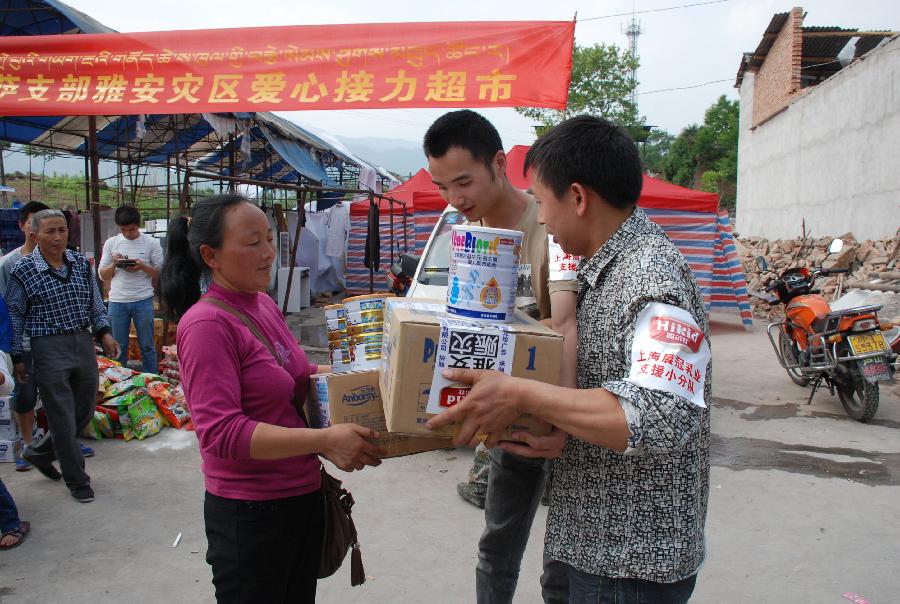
pixel 41 463
pixel 83 494
pixel 470 493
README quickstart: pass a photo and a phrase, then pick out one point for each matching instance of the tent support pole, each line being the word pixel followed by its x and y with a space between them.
pixel 231 160
pixel 290 280
pixel 95 187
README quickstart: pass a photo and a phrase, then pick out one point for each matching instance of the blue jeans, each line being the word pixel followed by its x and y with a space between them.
pixel 120 316
pixel 515 486
pixel 9 515
pixel 585 588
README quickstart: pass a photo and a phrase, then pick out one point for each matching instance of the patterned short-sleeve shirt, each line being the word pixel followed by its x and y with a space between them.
pixel 640 514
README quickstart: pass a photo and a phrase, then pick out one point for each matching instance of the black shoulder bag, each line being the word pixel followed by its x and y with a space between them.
pixel 340 530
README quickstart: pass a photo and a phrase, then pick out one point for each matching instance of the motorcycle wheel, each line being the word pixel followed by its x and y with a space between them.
pixel 789 353
pixel 858 396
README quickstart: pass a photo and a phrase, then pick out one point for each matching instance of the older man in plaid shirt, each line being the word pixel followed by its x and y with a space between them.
pixel 53 298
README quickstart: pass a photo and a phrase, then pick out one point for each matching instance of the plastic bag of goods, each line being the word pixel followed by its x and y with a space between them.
pixel 139 415
pixel 170 401
pixel 105 363
pixel 99 428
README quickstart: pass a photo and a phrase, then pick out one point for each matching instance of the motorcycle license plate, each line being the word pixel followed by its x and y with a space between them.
pixel 866 343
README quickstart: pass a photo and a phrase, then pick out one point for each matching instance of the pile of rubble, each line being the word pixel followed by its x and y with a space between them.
pixel 863 258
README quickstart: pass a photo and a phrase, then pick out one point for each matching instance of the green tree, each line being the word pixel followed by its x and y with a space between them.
pixel 655 150
pixel 601 85
pixel 705 156
pixel 681 162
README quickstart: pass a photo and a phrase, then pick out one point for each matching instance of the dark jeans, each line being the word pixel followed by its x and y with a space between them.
pixel 9 515
pixel 264 551
pixel 515 486
pixel 120 316
pixel 585 588
pixel 65 369
pixel 24 396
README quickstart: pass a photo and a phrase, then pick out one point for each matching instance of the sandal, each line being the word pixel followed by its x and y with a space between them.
pixel 18 533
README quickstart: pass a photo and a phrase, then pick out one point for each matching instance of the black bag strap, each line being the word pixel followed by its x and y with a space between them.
pixel 259 335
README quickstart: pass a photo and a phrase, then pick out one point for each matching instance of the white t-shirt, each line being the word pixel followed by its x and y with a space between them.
pixel 132 286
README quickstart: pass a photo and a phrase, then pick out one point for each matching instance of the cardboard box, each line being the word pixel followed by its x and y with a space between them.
pixel 5 408
pixel 8 450
pixel 355 397
pixel 9 430
pixel 412 334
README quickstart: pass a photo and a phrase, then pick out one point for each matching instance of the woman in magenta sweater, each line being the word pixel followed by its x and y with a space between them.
pixel 263 506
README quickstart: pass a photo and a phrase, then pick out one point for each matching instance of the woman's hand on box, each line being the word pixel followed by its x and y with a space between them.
pixel 347 446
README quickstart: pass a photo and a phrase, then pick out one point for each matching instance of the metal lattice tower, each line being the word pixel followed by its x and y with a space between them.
pixel 632 31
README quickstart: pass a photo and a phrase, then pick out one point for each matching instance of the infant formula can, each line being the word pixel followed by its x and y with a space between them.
pixel 365 326
pixel 484 269
pixel 338 338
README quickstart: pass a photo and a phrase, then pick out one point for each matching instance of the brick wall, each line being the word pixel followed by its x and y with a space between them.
pixel 779 76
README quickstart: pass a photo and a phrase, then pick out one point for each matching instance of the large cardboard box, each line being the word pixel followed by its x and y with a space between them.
pixel 411 338
pixel 355 397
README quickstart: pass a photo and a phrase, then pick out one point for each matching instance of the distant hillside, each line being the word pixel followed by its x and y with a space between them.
pixel 400 156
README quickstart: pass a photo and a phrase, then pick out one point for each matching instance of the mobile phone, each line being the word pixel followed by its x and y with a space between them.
pixel 125 263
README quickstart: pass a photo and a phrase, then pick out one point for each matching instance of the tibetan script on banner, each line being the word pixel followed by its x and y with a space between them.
pixel 481 64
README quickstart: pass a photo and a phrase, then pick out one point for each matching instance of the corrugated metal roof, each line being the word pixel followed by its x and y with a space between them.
pixel 752 61
pixel 819 52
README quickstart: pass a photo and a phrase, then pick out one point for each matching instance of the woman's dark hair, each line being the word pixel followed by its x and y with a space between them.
pixel 179 279
pixel 592 152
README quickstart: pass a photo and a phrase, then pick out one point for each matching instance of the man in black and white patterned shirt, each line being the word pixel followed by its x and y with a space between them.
pixel 629 497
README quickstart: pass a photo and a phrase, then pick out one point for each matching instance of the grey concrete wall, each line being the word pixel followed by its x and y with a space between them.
pixel 832 157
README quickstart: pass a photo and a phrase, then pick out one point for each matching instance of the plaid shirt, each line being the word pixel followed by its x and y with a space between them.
pixel 640 514
pixel 44 301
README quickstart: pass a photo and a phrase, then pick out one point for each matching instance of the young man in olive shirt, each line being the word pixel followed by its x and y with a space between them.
pixel 467 163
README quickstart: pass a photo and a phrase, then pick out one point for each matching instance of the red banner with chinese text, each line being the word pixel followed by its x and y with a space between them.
pixel 453 64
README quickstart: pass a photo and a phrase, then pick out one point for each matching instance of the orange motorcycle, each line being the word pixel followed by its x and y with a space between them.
pixel 843 349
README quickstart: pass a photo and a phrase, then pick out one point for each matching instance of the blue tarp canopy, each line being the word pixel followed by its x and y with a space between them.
pixel 275 149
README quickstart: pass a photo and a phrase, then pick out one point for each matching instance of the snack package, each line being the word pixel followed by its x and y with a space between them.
pixel 112 414
pixel 99 428
pixel 118 374
pixel 138 415
pixel 105 363
pixel 170 401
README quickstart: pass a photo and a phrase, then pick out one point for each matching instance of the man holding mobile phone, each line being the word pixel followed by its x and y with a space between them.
pixel 130 262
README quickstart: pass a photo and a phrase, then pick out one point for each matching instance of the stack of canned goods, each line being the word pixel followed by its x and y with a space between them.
pixel 355 330
pixel 338 338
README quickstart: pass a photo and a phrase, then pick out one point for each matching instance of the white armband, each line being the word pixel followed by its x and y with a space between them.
pixel 669 353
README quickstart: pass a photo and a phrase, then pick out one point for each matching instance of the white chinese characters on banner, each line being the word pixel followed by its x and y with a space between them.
pixel 463 345
pixel 563 266
pixel 669 353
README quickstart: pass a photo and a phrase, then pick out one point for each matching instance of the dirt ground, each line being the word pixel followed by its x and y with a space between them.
pixel 803 508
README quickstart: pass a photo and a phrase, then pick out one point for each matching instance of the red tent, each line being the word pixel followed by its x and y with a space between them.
pixel 654 194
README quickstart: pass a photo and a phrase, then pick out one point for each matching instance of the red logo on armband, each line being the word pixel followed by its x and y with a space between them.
pixel 673 331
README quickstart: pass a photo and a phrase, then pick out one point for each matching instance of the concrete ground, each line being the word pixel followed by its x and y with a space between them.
pixel 803 508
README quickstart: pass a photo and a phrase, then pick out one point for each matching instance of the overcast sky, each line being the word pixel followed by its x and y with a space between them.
pixel 679 48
